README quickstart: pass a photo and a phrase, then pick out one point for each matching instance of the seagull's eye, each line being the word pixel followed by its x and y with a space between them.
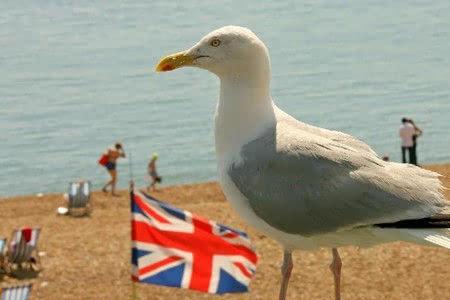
pixel 215 43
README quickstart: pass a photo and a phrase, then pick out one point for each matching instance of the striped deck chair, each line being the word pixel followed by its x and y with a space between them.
pixel 79 196
pixel 19 292
pixel 2 254
pixel 2 245
pixel 21 247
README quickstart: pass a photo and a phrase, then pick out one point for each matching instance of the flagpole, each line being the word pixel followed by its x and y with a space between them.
pixel 134 295
pixel 130 168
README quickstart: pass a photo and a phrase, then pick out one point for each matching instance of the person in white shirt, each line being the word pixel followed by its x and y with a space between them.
pixel 407 132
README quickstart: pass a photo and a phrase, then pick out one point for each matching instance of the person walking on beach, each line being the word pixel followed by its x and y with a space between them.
pixel 153 173
pixel 417 132
pixel 109 161
pixel 406 133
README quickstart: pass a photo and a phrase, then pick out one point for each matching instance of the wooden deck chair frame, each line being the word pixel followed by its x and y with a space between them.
pixel 16 292
pixel 79 198
pixel 20 253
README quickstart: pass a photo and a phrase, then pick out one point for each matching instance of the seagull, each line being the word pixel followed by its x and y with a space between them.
pixel 305 186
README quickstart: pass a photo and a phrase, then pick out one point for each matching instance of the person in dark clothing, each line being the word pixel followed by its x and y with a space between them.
pixel 418 132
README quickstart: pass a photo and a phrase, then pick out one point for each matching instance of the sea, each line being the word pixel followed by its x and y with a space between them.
pixel 77 76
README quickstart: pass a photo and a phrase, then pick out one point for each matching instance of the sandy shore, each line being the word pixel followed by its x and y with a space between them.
pixel 88 258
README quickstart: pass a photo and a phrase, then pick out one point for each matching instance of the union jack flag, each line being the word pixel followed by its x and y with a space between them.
pixel 173 247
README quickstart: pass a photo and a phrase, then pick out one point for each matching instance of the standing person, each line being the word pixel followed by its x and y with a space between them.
pixel 153 173
pixel 110 157
pixel 406 133
pixel 417 132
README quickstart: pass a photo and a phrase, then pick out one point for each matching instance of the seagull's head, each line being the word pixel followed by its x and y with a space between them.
pixel 228 50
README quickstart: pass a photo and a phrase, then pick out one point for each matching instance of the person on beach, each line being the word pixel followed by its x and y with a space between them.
pixel 406 133
pixel 110 158
pixel 153 173
pixel 417 132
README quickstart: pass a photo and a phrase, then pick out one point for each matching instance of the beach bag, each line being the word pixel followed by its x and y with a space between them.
pixel 103 160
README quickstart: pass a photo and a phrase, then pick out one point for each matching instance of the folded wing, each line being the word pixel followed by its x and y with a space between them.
pixel 304 180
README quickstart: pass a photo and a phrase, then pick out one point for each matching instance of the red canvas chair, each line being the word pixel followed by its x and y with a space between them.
pixel 22 249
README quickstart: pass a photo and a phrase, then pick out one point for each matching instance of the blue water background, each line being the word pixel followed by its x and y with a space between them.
pixel 78 75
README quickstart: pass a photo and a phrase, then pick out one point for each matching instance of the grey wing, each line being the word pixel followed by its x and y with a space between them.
pixel 341 139
pixel 306 184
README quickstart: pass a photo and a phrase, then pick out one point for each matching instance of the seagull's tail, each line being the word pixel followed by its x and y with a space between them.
pixel 428 231
pixel 436 237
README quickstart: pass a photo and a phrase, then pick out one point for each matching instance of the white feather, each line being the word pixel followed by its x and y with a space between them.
pixel 439 237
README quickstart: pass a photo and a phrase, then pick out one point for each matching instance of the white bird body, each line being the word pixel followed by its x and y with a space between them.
pixel 245 110
pixel 304 186
pixel 228 152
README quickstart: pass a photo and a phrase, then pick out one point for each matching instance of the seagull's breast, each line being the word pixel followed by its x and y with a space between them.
pixel 231 135
pixel 242 206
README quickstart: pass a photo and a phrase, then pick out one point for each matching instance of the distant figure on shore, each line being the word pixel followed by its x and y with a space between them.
pixel 153 173
pixel 109 161
pixel 408 133
pixel 417 132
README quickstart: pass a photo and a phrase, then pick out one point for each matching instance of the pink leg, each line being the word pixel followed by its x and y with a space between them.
pixel 286 270
pixel 335 268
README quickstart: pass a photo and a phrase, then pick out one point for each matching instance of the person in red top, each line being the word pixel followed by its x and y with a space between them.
pixel 111 156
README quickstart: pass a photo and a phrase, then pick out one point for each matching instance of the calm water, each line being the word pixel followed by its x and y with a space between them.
pixel 78 75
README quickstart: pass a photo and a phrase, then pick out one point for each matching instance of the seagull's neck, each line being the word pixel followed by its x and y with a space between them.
pixel 245 110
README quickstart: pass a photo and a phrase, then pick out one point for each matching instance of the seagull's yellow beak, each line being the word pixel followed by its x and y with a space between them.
pixel 175 61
